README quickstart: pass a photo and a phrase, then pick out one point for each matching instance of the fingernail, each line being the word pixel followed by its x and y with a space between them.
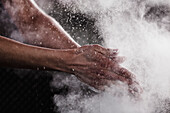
pixel 115 50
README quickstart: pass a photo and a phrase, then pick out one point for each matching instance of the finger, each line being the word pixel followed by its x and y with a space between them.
pixel 112 78
pixel 123 72
pixel 102 74
pixel 109 75
pixel 90 82
pixel 112 64
pixel 116 68
pixel 104 84
pixel 112 53
pixel 135 90
pixel 97 82
pixel 107 63
pixel 119 59
pixel 109 53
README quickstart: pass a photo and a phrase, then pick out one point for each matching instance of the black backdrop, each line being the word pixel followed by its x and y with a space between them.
pixel 24 91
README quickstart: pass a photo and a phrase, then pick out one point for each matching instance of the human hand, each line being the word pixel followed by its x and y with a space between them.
pixel 99 67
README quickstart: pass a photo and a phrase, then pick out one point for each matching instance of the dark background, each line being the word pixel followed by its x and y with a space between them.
pixel 30 91
pixel 24 91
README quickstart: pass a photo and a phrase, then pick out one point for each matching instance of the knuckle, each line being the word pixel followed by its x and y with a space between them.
pixel 107 63
pixel 96 46
pixel 122 70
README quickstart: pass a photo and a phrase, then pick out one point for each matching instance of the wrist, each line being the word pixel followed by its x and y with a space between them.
pixel 59 60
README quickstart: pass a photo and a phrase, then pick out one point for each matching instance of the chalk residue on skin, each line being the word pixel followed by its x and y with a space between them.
pixel 145 44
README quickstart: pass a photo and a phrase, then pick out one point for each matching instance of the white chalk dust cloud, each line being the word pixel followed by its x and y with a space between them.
pixel 144 41
pixel 45 5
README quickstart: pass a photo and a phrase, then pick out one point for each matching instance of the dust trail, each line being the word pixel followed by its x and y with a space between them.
pixel 145 41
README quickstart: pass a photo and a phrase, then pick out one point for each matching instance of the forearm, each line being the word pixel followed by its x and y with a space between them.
pixel 17 55
pixel 37 27
pixel 91 64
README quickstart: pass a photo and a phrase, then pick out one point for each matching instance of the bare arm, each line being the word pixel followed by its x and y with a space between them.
pixel 85 62
pixel 17 55
pixel 37 27
pixel 94 65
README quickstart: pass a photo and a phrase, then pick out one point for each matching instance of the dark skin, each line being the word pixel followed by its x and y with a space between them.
pixel 36 27
pixel 92 64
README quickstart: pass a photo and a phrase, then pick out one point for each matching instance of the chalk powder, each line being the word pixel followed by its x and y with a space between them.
pixel 125 25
